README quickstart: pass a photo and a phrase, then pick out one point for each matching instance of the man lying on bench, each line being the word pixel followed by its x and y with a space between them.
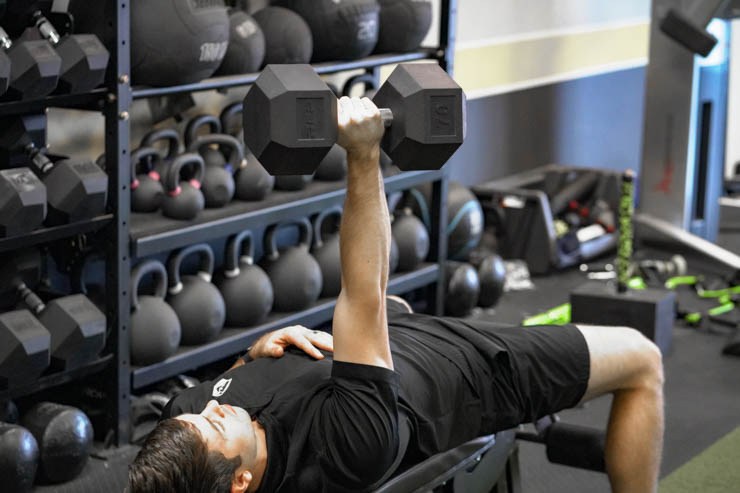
pixel 307 413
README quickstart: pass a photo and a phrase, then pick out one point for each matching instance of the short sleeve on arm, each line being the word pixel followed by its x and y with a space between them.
pixel 355 428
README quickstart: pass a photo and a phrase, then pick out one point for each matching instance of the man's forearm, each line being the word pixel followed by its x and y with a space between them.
pixel 365 233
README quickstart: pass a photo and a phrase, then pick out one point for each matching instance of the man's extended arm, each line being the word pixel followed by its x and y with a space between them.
pixel 360 325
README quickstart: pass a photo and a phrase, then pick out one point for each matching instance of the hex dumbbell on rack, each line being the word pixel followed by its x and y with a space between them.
pixel 32 68
pixel 291 118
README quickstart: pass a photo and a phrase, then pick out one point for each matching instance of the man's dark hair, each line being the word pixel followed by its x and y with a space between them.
pixel 176 459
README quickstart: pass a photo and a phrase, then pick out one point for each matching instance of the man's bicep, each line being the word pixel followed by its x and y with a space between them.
pixel 360 330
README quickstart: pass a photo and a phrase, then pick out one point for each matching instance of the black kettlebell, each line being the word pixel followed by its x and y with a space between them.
pixel 218 181
pixel 368 80
pixel 183 199
pixel 193 131
pixel 412 239
pixel 65 437
pixel 294 273
pixel 246 289
pixel 463 288
pixel 147 191
pixel 155 328
pixel 492 274
pixel 292 183
pixel 197 303
pixel 326 253
pixel 19 458
pixel 334 165
pixel 171 140
pixel 393 257
pixel 253 182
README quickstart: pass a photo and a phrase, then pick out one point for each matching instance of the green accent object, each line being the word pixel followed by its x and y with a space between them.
pixel 637 283
pixel 693 318
pixel 624 247
pixel 718 293
pixel 712 471
pixel 674 282
pixel 724 308
pixel 559 315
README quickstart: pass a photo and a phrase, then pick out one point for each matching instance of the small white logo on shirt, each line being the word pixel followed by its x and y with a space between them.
pixel 221 387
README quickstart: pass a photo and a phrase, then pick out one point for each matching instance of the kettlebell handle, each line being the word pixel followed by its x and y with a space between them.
pixel 304 227
pixel 165 134
pixel 140 155
pixel 367 79
pixel 205 269
pixel 148 267
pixel 417 197
pixel 235 157
pixel 234 249
pixel 78 281
pixel 172 178
pixel 319 223
pixel 198 122
pixel 228 113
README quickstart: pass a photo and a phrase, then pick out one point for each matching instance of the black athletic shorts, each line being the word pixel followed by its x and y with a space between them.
pixel 545 370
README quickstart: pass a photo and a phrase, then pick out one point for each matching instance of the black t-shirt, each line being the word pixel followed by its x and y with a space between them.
pixel 336 426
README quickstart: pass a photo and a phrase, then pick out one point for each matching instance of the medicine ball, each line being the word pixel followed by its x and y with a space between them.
pixel 287 36
pixel 403 24
pixel 464 217
pixel 19 458
pixel 177 41
pixel 463 289
pixel 342 29
pixel 246 50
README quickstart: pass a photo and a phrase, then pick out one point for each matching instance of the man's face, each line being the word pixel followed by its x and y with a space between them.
pixel 227 430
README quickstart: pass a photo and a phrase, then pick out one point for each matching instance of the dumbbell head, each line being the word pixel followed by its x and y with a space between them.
pixel 84 61
pixel 34 67
pixel 290 122
pixel 76 190
pixel 24 348
pixel 4 72
pixel 428 116
pixel 22 202
pixel 77 329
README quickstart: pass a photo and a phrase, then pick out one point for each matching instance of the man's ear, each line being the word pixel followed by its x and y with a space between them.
pixel 241 481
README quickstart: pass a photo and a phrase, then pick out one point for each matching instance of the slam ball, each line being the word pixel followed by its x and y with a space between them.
pixel 403 25
pixel 19 457
pixel 287 36
pixel 342 29
pixel 246 50
pixel 177 41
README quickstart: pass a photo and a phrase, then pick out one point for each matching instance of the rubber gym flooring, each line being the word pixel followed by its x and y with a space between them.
pixel 702 394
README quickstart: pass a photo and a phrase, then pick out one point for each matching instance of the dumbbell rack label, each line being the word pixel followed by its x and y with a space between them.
pixel 309 118
pixel 442 119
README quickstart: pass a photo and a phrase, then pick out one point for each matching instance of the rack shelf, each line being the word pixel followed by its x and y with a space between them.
pixel 232 341
pixel 52 379
pixel 151 234
pixel 221 83
pixel 46 235
pixel 89 100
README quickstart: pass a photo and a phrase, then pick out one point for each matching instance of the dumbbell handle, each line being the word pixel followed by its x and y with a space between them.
pixel 387 116
pixel 47 30
pixel 39 160
pixel 5 41
pixel 31 299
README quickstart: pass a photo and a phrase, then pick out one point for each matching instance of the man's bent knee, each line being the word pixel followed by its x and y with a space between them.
pixel 621 358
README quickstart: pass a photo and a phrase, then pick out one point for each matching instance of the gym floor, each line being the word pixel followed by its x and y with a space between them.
pixel 701 396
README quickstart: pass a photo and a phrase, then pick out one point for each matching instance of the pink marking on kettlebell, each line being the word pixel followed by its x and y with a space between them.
pixel 174 193
pixel 154 176
pixel 195 184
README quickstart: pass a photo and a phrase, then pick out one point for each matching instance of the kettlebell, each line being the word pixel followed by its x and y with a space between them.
pixel 393 257
pixel 211 155
pixel 334 165
pixel 246 289
pixel 463 288
pixel 253 182
pixel 367 79
pixel 412 238
pixel 197 303
pixel 326 253
pixel 492 275
pixel 147 192
pixel 218 181
pixel 294 273
pixel 171 139
pixel 183 199
pixel 155 328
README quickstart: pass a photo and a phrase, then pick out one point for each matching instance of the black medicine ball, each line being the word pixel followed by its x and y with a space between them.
pixel 403 24
pixel 177 41
pixel 287 36
pixel 342 29
pixel 246 46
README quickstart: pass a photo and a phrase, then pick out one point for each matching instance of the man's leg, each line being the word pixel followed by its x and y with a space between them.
pixel 628 365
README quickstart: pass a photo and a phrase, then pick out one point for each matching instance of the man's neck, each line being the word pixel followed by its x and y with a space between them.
pixel 260 463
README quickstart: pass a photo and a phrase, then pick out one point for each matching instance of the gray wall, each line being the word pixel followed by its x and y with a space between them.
pixel 594 122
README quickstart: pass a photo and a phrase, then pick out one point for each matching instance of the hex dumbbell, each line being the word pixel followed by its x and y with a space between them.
pixel 291 122
pixel 30 68
pixel 22 202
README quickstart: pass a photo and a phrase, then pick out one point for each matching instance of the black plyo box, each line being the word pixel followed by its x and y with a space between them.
pixel 651 311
